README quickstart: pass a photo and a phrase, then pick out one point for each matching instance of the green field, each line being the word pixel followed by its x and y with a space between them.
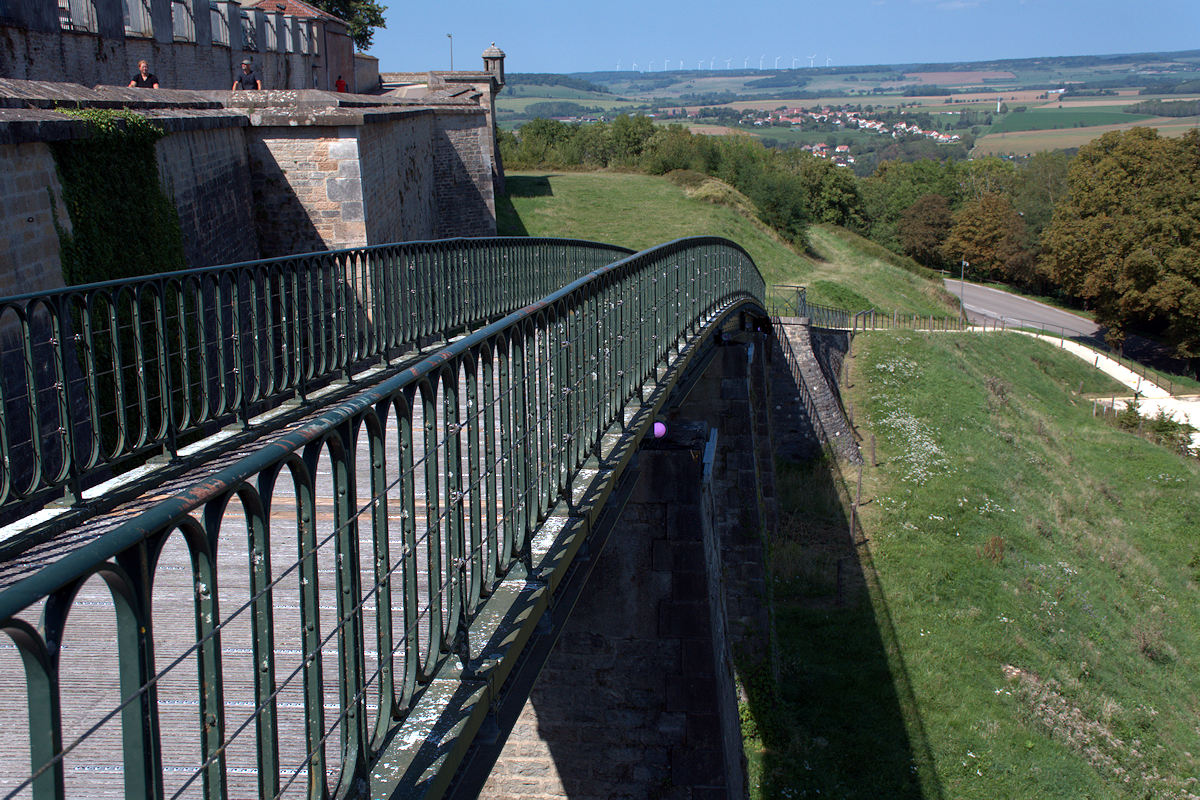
pixel 517 105
pixel 1021 619
pixel 1040 119
pixel 639 211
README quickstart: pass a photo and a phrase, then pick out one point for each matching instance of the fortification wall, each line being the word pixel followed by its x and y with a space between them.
pixel 463 167
pixel 31 204
pixel 288 172
pixel 398 178
pixel 206 171
pixel 201 50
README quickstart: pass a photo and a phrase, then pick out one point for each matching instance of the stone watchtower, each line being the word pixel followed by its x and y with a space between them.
pixel 493 62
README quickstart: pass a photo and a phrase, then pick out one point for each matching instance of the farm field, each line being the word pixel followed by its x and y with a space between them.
pixel 504 103
pixel 1037 119
pixel 1025 142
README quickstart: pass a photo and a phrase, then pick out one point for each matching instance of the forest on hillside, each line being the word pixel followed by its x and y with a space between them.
pixel 1114 228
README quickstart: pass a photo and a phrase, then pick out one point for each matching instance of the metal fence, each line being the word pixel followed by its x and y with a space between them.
pixel 265 628
pixel 99 377
pixel 793 302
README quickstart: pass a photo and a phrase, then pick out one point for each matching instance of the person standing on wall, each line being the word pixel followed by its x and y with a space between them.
pixel 144 79
pixel 248 79
pixel 341 85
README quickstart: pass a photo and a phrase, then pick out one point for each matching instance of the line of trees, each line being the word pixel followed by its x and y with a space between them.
pixel 1116 228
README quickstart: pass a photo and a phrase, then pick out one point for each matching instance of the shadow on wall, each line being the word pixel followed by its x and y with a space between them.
pixel 462 207
pixel 280 218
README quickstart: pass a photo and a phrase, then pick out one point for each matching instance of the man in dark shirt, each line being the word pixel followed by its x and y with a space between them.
pixel 248 79
pixel 144 79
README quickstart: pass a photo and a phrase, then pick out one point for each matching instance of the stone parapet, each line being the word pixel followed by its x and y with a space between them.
pixel 273 173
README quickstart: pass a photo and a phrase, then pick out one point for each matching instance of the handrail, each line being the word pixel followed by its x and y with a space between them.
pixel 96 378
pixel 406 507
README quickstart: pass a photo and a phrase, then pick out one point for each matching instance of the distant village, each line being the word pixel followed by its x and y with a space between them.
pixel 833 119
pixel 841 120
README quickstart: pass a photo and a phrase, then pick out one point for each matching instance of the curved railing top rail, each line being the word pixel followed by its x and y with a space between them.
pixel 456 243
pixel 97 378
pixel 384 528
pixel 168 510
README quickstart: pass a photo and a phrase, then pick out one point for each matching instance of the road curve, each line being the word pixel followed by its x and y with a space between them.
pixel 983 303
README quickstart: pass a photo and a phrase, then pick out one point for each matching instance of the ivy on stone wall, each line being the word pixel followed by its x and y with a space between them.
pixel 122 222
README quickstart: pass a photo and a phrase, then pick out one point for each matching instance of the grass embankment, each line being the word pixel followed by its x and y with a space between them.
pixel 640 211
pixel 1032 627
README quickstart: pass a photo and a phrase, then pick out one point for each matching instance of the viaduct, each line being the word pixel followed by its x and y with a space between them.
pixel 356 505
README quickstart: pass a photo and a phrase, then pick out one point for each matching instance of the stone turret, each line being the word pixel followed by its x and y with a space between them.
pixel 493 63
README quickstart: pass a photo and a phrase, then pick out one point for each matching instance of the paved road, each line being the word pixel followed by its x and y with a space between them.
pixel 985 303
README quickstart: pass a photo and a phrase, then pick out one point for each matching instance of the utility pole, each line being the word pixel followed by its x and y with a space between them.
pixel 962 277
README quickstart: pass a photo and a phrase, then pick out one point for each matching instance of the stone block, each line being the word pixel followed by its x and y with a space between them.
pixel 343 189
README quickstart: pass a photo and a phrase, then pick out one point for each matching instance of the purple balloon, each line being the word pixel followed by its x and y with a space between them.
pixel 660 430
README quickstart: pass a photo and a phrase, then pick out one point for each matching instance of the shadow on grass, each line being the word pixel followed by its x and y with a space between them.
pixel 508 221
pixel 529 186
pixel 841 721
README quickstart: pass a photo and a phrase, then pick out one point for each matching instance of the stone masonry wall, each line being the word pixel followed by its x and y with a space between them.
pixel 30 202
pixel 626 704
pixel 91 59
pixel 397 170
pixel 466 204
pixel 636 700
pixel 207 173
pixel 307 189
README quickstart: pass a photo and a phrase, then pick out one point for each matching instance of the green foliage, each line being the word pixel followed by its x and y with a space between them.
pixel 1165 108
pixel 1126 237
pixel 122 223
pixel 560 108
pixel 923 228
pixel 989 234
pixel 549 79
pixel 896 185
pixel 362 17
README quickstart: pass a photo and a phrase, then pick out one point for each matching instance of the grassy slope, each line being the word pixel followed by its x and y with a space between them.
pixel 640 211
pixel 1035 564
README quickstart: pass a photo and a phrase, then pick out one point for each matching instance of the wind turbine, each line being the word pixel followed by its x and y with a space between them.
pixel 794 60
pixel 760 60
pixel 828 61
pixel 710 63
pixel 699 64
pixel 746 63
pixel 777 62
pixel 728 61
pixel 634 67
pixel 618 65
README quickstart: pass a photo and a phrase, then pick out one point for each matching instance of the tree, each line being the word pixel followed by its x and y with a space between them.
pixel 362 17
pixel 1127 237
pixel 923 228
pixel 831 191
pixel 988 175
pixel 989 234
pixel 1041 182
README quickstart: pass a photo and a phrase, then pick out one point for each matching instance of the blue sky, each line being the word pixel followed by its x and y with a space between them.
pixel 541 36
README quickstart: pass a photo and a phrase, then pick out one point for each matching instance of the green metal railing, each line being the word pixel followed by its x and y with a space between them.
pixel 98 377
pixel 327 582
